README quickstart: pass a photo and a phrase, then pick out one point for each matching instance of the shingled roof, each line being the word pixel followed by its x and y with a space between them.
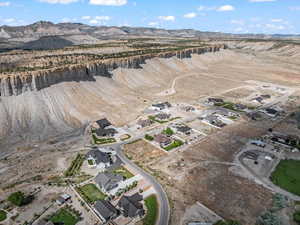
pixel 131 205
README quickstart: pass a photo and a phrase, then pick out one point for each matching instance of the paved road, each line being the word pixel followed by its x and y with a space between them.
pixel 164 209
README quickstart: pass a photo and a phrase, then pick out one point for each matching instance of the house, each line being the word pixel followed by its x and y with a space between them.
pixel 258 99
pixel 181 128
pixel 145 123
pixel 101 159
pixel 103 123
pixel 214 120
pixel 162 139
pixel 162 116
pixel 226 113
pixel 251 155
pixel 188 108
pixel 131 206
pixel 104 129
pixel 214 101
pixel 109 132
pixel 258 143
pixel 105 210
pixel 161 106
pixel 62 199
pixel 108 181
pixel 265 96
pixel 239 106
pixel 271 112
pixel 44 222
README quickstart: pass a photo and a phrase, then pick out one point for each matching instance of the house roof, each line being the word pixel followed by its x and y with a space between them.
pixel 131 205
pixel 216 100
pixel 108 181
pixel 162 138
pixel 271 111
pixel 162 105
pixel 163 116
pixel 100 157
pixel 105 132
pixel 105 209
pixel 103 123
pixel 145 123
pixel 183 129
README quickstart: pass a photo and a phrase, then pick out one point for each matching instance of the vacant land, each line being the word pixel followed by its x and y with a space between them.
pixel 91 193
pixel 142 152
pixel 152 210
pixel 63 216
pixel 287 176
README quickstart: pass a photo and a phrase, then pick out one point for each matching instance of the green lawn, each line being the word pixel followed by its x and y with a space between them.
pixel 101 141
pixel 75 166
pixel 149 137
pixel 124 172
pixel 91 193
pixel 287 176
pixel 168 131
pixel 64 217
pixel 175 144
pixel 3 215
pixel 90 162
pixel 152 210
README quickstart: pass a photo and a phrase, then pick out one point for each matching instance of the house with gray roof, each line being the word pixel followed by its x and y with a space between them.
pixel 131 206
pixel 105 210
pixel 108 181
pixel 101 160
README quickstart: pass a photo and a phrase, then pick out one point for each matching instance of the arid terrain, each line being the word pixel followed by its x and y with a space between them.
pixel 43 127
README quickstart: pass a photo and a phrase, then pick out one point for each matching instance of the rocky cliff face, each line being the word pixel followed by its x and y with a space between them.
pixel 16 84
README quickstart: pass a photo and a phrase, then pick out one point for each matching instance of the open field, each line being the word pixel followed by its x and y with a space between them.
pixel 287 176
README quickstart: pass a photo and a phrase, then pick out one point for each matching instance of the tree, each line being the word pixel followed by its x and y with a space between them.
pixel 296 217
pixel 17 198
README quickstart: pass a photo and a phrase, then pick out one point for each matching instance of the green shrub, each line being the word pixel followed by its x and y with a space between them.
pixel 149 137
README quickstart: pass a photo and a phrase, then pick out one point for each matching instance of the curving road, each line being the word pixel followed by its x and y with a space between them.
pixel 164 207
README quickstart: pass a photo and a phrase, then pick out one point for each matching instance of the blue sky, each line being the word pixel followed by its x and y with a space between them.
pixel 234 16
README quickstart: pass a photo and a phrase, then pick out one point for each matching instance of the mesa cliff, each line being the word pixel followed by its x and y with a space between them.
pixel 20 82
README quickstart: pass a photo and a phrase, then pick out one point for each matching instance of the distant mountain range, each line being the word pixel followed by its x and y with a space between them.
pixel 77 33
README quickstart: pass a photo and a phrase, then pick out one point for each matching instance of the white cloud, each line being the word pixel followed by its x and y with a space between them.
pixel 94 21
pixel 86 17
pixel 238 22
pixel 262 0
pixel 108 2
pixel 59 1
pixel 277 20
pixel 2 4
pixel 153 24
pixel 100 20
pixel 106 18
pixel 225 8
pixel 9 20
pixel 190 15
pixel 167 18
